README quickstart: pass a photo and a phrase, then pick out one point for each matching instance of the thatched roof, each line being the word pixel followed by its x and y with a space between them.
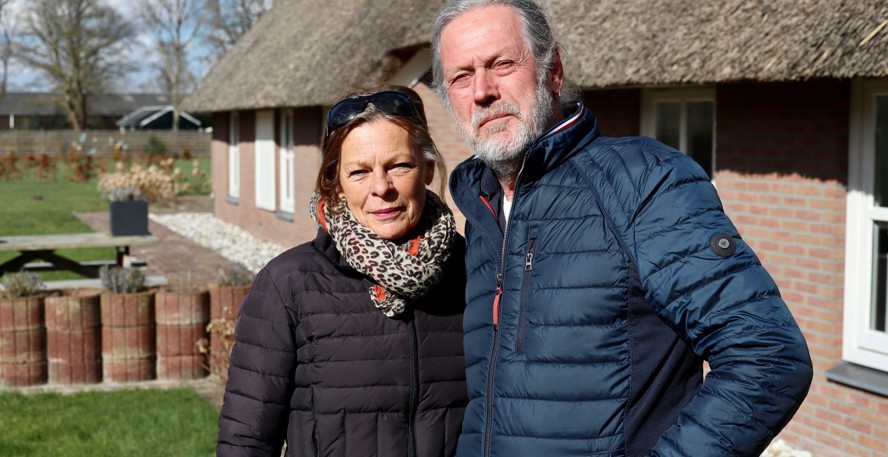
pixel 642 42
pixel 306 52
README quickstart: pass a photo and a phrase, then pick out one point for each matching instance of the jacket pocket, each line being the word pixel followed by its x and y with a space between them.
pixel 315 441
pixel 525 287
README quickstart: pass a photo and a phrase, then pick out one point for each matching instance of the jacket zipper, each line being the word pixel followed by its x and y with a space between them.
pixel 528 269
pixel 414 388
pixel 491 367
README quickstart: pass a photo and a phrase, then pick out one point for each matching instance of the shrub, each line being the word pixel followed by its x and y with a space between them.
pixel 222 330
pixel 121 280
pixel 117 152
pixel 234 275
pixel 155 147
pixel 44 167
pixel 8 165
pixel 21 284
pixel 150 183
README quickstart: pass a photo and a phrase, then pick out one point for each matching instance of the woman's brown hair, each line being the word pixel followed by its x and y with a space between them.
pixel 327 184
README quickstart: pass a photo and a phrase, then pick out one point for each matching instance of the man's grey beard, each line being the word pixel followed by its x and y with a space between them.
pixel 505 156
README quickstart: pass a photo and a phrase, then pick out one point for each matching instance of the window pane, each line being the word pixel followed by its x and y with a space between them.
pixel 881 178
pixel 880 278
pixel 668 122
pixel 700 133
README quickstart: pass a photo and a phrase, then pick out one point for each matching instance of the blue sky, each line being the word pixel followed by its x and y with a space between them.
pixel 22 79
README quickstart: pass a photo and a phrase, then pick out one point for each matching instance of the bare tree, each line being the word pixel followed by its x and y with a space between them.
pixel 229 19
pixel 173 25
pixel 78 45
pixel 5 47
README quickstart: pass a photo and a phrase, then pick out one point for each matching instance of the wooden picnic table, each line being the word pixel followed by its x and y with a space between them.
pixel 43 247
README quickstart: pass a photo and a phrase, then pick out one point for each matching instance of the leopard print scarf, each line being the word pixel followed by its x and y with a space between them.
pixel 402 272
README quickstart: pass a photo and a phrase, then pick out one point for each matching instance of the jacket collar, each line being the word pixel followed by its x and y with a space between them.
pixel 560 143
pixel 473 178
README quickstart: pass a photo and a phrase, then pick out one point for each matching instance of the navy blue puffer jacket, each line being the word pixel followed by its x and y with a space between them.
pixel 588 319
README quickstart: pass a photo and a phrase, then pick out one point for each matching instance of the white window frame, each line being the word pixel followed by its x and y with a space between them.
pixel 860 344
pixel 265 162
pixel 234 155
pixel 287 179
pixel 649 100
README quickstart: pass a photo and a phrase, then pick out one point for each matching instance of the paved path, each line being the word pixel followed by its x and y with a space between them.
pixel 182 261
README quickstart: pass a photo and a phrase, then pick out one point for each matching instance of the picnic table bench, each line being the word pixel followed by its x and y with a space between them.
pixel 43 247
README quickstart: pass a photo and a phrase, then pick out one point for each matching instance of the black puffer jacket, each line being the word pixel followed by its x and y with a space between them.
pixel 316 363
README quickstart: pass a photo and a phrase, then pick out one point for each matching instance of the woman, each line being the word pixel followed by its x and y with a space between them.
pixel 351 344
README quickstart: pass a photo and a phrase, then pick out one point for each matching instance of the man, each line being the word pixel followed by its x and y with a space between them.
pixel 601 271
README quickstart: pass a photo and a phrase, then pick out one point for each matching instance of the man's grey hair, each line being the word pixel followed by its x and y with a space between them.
pixel 537 35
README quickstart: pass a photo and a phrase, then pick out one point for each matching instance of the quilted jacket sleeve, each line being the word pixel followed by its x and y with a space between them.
pixel 704 281
pixel 255 409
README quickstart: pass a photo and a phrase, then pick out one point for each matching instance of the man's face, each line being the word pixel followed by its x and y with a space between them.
pixel 490 77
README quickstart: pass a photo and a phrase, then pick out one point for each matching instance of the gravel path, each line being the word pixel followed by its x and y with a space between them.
pixel 779 448
pixel 230 241
pixel 239 246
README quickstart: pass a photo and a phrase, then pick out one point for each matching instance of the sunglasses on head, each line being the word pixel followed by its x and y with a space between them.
pixel 388 102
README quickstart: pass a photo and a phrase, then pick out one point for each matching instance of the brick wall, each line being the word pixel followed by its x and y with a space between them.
pixel 219 162
pixel 782 161
pixel 618 110
pixel 448 140
pixel 307 123
pixel 269 225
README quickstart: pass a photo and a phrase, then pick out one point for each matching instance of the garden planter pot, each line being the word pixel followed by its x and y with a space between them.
pixel 225 303
pixel 128 339
pixel 73 342
pixel 22 342
pixel 129 217
pixel 181 319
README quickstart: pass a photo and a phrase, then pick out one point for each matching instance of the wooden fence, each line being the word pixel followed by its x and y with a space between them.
pixel 102 143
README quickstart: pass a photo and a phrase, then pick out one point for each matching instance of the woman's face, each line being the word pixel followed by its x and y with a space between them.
pixel 383 179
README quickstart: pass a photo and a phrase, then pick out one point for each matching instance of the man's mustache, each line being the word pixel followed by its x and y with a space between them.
pixel 497 108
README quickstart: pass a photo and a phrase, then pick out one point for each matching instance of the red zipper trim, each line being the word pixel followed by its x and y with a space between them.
pixel 496 303
pixel 487 204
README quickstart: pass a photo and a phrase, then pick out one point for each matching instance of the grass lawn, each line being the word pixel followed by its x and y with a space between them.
pixel 139 422
pixel 30 206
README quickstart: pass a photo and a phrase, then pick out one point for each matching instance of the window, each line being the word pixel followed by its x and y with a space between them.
pixel 683 119
pixel 265 161
pixel 233 156
pixel 288 162
pixel 866 260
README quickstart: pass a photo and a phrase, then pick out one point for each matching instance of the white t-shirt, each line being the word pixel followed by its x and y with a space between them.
pixel 507 206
